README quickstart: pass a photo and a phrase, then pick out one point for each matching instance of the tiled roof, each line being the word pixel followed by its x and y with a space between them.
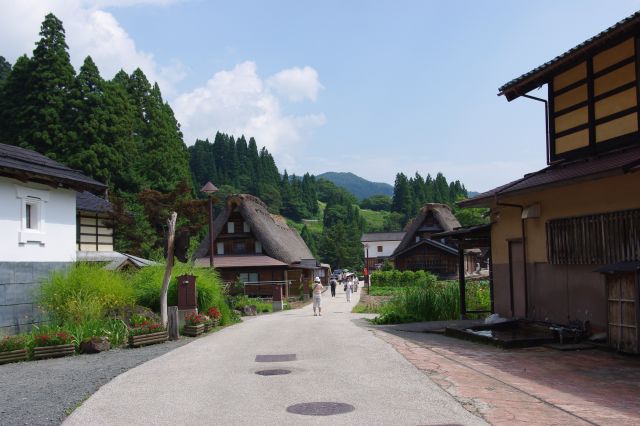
pixel 608 164
pixel 382 236
pixel 240 261
pixel 26 164
pixel 88 202
pixel 538 76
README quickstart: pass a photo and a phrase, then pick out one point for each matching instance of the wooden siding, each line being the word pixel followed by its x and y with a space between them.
pixel 598 239
pixel 594 105
pixel 622 312
pixel 427 258
pixel 94 232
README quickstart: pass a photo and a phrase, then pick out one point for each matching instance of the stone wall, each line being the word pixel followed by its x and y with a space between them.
pixel 19 285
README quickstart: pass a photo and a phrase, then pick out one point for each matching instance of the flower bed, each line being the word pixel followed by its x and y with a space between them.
pixel 194 324
pixel 147 333
pixel 12 349
pixel 52 345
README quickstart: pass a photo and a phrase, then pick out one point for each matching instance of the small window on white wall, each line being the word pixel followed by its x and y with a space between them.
pixel 231 227
pixel 258 247
pixel 32 220
pixel 246 227
pixel 220 248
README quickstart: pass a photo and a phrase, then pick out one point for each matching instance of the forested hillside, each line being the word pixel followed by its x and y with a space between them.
pixel 123 133
pixel 359 187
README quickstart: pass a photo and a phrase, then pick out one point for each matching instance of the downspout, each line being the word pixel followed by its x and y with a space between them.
pixel 524 254
pixel 546 122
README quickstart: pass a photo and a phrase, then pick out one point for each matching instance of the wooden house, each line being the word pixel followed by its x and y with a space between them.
pixel 259 249
pixel 553 228
pixel 419 251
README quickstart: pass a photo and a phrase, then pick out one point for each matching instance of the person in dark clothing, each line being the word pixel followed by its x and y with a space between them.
pixel 333 283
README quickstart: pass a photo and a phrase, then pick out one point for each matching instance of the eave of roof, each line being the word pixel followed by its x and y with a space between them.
pixel 381 236
pixel 608 164
pixel 540 75
pixel 240 261
pixel 27 165
pixel 86 201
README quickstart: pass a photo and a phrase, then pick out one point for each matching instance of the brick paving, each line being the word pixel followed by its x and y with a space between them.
pixel 533 385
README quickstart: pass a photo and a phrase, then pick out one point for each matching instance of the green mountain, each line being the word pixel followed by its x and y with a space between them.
pixel 359 187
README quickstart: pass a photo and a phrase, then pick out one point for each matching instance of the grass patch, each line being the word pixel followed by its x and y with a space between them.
pixel 384 291
pixel 374 219
pixel 239 302
pixel 433 302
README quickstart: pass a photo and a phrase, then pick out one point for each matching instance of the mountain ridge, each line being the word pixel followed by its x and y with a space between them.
pixel 360 187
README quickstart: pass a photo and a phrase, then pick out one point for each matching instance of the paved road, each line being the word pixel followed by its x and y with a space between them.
pixel 213 380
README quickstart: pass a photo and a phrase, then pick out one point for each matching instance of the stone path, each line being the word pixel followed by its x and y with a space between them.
pixel 213 380
pixel 533 386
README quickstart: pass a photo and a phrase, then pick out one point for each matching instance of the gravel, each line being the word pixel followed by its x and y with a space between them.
pixel 45 392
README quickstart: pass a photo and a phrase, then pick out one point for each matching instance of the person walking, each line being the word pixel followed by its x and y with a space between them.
pixel 348 289
pixel 317 296
pixel 355 283
pixel 333 283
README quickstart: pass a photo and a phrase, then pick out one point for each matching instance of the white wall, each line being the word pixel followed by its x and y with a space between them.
pixel 387 248
pixel 54 241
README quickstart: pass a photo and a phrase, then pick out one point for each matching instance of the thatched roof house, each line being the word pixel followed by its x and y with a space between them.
pixel 278 239
pixel 418 251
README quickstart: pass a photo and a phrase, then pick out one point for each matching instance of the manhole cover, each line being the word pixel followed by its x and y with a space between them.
pixel 276 358
pixel 276 372
pixel 320 408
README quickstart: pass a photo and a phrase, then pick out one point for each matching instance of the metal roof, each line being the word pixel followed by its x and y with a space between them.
pixel 540 75
pixel 607 164
pixel 381 236
pixel 88 202
pixel 23 164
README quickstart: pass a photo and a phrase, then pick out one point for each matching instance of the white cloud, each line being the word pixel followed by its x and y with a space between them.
pixel 90 30
pixel 296 83
pixel 239 102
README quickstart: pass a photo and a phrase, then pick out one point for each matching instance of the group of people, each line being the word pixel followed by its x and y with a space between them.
pixel 350 285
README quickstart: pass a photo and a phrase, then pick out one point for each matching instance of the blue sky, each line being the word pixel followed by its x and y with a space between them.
pixel 373 88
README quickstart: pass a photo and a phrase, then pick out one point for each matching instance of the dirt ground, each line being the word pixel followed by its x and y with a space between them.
pixel 533 385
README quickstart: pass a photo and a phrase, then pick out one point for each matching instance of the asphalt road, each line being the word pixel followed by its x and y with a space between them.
pixel 213 380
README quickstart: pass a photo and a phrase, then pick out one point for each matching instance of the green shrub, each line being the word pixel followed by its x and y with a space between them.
pixel 239 302
pixel 147 284
pixel 12 343
pixel 396 278
pixel 114 329
pixel 83 293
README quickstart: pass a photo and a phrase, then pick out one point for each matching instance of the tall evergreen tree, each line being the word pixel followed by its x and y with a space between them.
pixel 5 69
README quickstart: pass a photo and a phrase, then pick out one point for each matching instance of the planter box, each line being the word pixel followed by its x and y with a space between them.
pixel 208 327
pixel 41 352
pixel 13 356
pixel 193 330
pixel 148 339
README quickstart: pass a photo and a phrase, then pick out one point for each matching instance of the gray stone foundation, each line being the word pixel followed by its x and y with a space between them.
pixel 19 286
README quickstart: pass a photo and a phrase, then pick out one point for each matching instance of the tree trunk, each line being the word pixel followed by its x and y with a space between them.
pixel 167 272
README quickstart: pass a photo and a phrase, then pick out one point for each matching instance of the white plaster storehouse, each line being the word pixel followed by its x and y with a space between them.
pixel 378 246
pixel 37 228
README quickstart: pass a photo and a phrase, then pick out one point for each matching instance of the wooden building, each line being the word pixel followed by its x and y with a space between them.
pixel 419 251
pixel 553 228
pixel 259 249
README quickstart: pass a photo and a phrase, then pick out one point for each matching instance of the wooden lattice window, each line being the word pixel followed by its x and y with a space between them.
pixel 594 239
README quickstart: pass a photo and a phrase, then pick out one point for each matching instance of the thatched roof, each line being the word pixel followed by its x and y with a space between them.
pixel 278 239
pixel 441 213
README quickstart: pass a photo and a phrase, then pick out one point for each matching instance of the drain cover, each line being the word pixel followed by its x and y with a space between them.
pixel 275 372
pixel 320 408
pixel 276 358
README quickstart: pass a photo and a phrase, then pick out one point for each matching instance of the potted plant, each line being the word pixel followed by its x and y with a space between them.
pixel 208 326
pixel 12 349
pixel 215 315
pixel 146 332
pixel 194 324
pixel 52 345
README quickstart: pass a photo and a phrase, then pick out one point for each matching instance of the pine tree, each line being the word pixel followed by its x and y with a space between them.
pixel 402 197
pixel 5 69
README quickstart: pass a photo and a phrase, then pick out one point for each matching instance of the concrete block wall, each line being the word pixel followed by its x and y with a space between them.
pixel 19 285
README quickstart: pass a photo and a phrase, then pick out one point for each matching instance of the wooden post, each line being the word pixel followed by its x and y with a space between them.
pixel 167 272
pixel 173 327
pixel 462 283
